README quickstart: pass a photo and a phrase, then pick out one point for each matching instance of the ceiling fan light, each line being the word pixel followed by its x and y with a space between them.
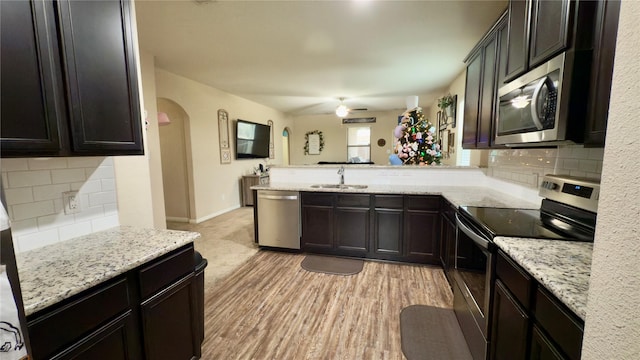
pixel 342 110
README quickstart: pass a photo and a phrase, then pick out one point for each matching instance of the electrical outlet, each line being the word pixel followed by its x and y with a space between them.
pixel 71 202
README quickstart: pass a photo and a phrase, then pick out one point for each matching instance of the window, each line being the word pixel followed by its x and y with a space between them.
pixel 359 144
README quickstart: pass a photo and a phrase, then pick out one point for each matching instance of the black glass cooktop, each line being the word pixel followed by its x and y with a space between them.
pixel 524 223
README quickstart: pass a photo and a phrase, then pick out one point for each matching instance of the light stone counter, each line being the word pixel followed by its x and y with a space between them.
pixel 56 272
pixel 456 195
pixel 562 267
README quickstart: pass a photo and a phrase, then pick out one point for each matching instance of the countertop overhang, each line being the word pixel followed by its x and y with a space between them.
pixel 56 272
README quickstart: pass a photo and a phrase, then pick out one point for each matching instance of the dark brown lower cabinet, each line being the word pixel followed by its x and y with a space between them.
pixel 171 334
pixel 380 226
pixel 542 348
pixel 422 229
pixel 149 312
pixel 112 341
pixel 509 326
pixel 528 322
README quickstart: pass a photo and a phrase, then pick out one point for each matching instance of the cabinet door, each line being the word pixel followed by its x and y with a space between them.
pixel 509 326
pixel 317 228
pixel 421 236
pixel 387 233
pixel 606 32
pixel 169 323
pixel 99 62
pixel 542 348
pixel 487 94
pixel 472 101
pixel 518 38
pixel 501 71
pixel 32 97
pixel 115 341
pixel 352 231
pixel 448 246
pixel 549 25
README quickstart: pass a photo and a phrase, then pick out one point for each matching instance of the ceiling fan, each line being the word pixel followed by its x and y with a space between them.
pixel 342 109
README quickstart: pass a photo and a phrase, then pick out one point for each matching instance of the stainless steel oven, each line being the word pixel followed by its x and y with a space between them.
pixel 567 212
pixel 473 274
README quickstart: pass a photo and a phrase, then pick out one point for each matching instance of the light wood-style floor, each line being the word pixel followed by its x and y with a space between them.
pixel 271 308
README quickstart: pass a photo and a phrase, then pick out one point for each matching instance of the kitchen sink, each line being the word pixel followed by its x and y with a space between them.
pixel 338 186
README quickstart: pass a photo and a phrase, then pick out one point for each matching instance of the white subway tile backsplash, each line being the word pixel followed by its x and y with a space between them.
pixel 19 196
pixel 84 162
pixel 28 178
pixel 105 222
pixel 74 230
pixel 47 163
pixel 34 190
pixel 108 184
pixel 88 186
pixel 13 164
pixel 67 175
pixel 101 198
pixel 31 210
pixel 24 227
pixel 54 221
pixel 102 172
pixel 36 240
pixel 528 166
pixel 49 192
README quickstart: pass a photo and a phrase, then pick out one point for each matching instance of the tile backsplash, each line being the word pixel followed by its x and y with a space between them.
pixel 33 189
pixel 527 166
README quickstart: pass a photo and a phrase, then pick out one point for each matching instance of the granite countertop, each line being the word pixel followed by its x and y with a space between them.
pixel 456 195
pixel 56 272
pixel 562 267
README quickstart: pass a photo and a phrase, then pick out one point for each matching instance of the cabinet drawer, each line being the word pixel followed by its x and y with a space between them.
pixel 422 202
pixel 561 325
pixel 388 201
pixel 317 199
pixel 353 200
pixel 165 271
pixel 517 281
pixel 79 317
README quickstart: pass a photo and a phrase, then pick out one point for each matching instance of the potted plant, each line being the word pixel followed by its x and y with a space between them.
pixel 445 104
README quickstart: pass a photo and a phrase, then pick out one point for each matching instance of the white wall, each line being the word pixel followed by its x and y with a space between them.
pixel 612 328
pixel 34 187
pixel 139 178
pixel 216 186
pixel 335 136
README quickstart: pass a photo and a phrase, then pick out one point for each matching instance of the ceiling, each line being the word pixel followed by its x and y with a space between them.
pixel 300 57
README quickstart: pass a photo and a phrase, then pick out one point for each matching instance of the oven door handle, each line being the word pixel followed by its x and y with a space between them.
pixel 482 242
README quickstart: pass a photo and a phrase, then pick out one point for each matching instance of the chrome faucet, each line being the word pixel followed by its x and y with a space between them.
pixel 341 173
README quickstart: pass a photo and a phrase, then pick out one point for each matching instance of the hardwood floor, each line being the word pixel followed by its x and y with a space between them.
pixel 271 308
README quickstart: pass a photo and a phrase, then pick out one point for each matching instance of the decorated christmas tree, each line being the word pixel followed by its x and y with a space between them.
pixel 416 142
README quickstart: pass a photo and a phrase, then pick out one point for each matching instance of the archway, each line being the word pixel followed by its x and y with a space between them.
pixel 176 162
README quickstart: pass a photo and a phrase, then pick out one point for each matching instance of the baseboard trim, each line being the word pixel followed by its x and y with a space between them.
pixel 211 216
pixel 177 219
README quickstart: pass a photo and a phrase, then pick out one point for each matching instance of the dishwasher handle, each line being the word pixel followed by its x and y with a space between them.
pixel 278 197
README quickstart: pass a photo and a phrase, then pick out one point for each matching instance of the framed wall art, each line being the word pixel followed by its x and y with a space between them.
pixel 223 136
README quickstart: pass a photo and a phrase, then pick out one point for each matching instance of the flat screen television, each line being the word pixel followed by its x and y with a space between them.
pixel 252 140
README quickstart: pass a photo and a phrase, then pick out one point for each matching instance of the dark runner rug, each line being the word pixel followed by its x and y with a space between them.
pixel 429 332
pixel 332 265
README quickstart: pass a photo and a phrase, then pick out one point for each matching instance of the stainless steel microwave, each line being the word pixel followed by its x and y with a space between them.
pixel 534 109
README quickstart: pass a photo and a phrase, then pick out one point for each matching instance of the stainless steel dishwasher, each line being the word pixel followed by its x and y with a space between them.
pixel 279 219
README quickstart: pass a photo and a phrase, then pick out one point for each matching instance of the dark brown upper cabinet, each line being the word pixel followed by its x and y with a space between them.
pixel 482 83
pixel 606 32
pixel 69 79
pixel 517 38
pixel 32 95
pixel 538 30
